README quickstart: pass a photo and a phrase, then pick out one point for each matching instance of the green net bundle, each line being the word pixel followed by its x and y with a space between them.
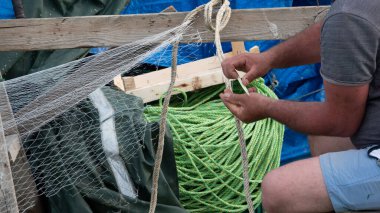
pixel 207 150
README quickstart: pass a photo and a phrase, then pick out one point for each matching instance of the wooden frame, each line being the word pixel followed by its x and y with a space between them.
pixel 8 192
pixel 109 31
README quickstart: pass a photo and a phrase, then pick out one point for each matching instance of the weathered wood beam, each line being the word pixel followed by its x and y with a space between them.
pixel 7 187
pixel 190 77
pixel 109 31
pixel 22 182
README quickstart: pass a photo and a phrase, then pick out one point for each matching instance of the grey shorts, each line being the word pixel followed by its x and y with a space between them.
pixel 352 180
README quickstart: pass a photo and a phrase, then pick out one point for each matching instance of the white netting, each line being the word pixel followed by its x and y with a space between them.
pixel 68 126
pixel 39 97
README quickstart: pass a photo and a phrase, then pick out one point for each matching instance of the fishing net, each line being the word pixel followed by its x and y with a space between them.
pixel 59 115
pixel 64 129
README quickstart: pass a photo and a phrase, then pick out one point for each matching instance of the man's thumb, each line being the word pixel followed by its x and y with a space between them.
pixel 250 76
pixel 232 98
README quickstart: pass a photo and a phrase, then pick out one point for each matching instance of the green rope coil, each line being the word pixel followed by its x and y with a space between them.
pixel 207 150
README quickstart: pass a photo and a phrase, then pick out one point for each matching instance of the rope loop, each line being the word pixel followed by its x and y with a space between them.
pixel 223 16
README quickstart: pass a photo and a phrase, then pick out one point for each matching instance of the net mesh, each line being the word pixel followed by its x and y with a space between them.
pixel 66 124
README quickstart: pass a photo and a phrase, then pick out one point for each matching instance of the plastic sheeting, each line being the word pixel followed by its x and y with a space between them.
pixel 6 9
pixel 155 6
pixel 311 2
pixel 301 83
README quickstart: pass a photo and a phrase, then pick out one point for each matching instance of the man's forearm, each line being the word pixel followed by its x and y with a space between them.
pixel 303 48
pixel 314 118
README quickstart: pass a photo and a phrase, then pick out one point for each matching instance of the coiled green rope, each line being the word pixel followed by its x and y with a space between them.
pixel 207 151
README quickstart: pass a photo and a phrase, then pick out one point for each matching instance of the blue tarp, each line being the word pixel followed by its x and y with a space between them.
pixel 190 53
pixel 301 83
pixel 311 2
pixel 297 83
pixel 6 9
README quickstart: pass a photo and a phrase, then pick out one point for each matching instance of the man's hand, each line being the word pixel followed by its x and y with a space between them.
pixel 304 48
pixel 340 115
pixel 248 108
pixel 255 65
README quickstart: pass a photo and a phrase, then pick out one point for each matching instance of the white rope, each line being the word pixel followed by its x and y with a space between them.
pixel 222 18
pixel 189 19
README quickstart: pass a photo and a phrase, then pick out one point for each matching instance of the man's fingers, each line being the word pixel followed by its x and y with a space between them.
pixel 233 107
pixel 232 98
pixel 230 65
pixel 227 91
pixel 252 90
pixel 250 76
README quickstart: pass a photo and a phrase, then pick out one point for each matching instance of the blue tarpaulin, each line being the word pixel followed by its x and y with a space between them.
pixel 6 9
pixel 298 83
pixel 311 2
pixel 190 53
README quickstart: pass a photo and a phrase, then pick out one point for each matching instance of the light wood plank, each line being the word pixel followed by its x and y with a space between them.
pixel 163 76
pixel 109 31
pixel 190 77
pixel 155 92
pixel 170 9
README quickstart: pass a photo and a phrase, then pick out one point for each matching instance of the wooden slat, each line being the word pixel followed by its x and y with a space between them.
pixel 154 92
pixel 24 186
pixel 185 71
pixel 99 31
pixel 8 194
pixel 191 76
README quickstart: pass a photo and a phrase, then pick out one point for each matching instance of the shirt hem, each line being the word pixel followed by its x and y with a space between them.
pixel 344 83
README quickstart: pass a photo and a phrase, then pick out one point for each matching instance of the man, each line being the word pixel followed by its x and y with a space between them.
pixel 340 176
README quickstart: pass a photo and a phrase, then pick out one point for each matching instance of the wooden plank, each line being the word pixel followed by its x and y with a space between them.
pixel 170 9
pixel 13 146
pixel 10 128
pixel 191 76
pixel 24 185
pixel 109 31
pixel 203 79
pixel 163 76
pixel 8 195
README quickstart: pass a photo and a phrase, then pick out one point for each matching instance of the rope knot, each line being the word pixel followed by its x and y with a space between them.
pixel 222 17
